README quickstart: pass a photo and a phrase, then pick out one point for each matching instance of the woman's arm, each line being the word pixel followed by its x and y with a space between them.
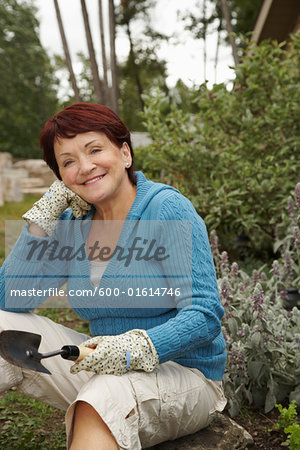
pixel 198 321
pixel 36 231
pixel 28 273
pixel 34 266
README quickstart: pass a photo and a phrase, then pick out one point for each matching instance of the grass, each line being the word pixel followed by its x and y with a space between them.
pixel 13 211
pixel 66 317
pixel 30 424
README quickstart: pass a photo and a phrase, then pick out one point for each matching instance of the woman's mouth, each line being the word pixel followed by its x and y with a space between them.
pixel 93 180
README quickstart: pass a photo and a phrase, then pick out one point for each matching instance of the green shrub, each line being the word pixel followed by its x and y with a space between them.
pixel 286 271
pixel 237 157
pixel 293 432
pixel 263 364
pixel 287 416
pixel 288 423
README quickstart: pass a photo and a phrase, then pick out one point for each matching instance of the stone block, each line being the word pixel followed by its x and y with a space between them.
pixel 5 160
pixel 37 168
pixel 223 433
pixel 18 173
pixel 39 191
pixel 12 191
pixel 28 183
pixel 1 190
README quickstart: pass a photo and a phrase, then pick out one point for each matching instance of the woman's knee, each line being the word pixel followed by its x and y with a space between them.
pixel 88 427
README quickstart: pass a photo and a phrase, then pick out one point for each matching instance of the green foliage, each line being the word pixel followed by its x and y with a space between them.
pixel 27 89
pixel 183 97
pixel 293 432
pixel 197 24
pixel 236 157
pixel 243 16
pixel 262 338
pixel 152 72
pixel 286 271
pixel 24 426
pixel 287 415
pixel 65 316
pixel 288 423
pixel 142 69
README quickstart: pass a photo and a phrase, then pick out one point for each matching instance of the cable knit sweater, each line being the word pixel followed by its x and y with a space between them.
pixel 185 328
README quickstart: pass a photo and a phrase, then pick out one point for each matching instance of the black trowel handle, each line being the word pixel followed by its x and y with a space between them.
pixel 75 353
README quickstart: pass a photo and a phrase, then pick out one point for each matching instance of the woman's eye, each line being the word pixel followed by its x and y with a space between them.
pixel 95 150
pixel 67 163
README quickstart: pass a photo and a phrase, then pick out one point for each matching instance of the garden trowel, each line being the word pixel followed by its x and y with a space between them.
pixel 21 349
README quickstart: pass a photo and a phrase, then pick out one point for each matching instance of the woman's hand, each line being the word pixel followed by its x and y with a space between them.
pixel 46 211
pixel 116 355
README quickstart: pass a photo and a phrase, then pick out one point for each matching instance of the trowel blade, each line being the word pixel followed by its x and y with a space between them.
pixel 21 349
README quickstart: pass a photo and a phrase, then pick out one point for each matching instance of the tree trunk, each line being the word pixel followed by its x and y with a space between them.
pixel 103 52
pixel 99 90
pixel 226 15
pixel 113 59
pixel 217 48
pixel 135 67
pixel 204 39
pixel 67 53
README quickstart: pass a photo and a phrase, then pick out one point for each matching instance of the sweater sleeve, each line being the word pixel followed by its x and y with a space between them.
pixel 29 272
pixel 199 312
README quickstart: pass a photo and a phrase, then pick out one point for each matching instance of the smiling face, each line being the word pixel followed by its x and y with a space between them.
pixel 94 167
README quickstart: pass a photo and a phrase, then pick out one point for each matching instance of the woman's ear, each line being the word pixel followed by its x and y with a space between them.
pixel 126 154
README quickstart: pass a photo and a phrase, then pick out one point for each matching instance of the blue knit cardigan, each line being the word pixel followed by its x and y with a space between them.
pixel 185 328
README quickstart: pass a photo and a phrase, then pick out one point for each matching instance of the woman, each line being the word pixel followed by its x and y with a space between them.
pixel 157 357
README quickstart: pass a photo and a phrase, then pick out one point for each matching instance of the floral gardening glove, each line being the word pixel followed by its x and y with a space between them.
pixel 46 211
pixel 116 355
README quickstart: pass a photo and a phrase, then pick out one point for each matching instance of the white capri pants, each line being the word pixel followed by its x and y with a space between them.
pixel 141 409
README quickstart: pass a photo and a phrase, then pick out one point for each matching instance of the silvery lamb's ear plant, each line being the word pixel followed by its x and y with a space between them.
pixel 286 271
pixel 263 339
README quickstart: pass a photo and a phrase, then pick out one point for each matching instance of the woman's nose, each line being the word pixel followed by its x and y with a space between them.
pixel 86 165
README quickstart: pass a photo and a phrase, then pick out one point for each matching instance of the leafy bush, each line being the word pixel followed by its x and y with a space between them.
pixel 28 86
pixel 263 365
pixel 236 158
pixel 287 416
pixel 288 422
pixel 286 271
pixel 293 432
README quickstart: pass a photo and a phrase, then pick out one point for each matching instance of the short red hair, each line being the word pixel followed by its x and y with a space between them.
pixel 82 118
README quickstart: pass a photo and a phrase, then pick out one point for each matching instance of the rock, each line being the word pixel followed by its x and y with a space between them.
pixel 12 191
pixel 11 182
pixel 28 183
pixel 1 191
pixel 35 186
pixel 222 434
pixel 35 190
pixel 5 160
pixel 37 168
pixel 18 173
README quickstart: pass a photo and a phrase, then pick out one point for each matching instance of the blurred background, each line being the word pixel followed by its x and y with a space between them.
pixel 208 88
